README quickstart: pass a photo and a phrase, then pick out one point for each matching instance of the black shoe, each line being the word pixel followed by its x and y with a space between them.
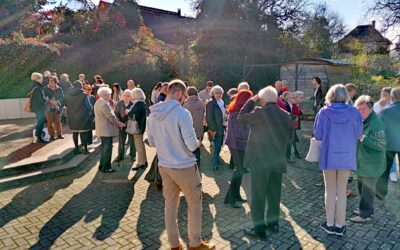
pixel 77 151
pixel 350 179
pixel 340 230
pixel 327 229
pixel 235 205
pixel 273 228
pixel 60 137
pixel 139 167
pixel 85 151
pixel 241 200
pixel 52 138
pixel 249 231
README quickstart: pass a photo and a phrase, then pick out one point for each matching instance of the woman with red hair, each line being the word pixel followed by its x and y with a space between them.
pixel 236 140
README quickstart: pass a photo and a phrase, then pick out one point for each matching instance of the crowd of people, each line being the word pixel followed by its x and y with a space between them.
pixel 355 134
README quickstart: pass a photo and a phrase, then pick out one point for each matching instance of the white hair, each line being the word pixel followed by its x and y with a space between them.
pixel 37 77
pixel 46 73
pixel 298 93
pixel 104 91
pixel 217 89
pixel 364 99
pixel 337 94
pixel 395 94
pixel 268 94
pixel 127 91
pixel 138 94
pixel 243 85
pixel 64 77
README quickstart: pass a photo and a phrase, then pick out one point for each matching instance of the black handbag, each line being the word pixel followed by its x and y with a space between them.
pixel 153 176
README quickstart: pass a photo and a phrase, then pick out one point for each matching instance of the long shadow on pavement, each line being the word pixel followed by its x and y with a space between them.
pixel 107 196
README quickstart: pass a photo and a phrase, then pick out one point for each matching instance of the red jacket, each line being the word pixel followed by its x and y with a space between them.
pixel 281 104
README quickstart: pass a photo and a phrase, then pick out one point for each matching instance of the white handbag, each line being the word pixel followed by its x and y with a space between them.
pixel 314 150
pixel 132 127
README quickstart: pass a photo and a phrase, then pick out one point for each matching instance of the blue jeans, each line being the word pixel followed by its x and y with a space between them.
pixel 40 119
pixel 218 140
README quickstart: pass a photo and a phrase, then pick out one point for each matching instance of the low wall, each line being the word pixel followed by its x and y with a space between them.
pixel 14 109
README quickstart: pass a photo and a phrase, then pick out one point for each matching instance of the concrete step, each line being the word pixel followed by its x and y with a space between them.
pixel 52 154
pixel 73 165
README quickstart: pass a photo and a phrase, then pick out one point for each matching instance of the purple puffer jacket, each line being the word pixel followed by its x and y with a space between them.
pixel 237 133
pixel 338 126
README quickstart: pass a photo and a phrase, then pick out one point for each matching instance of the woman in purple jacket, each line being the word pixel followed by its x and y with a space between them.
pixel 236 140
pixel 338 126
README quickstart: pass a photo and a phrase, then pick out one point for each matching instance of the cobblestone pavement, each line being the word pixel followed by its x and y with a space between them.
pixel 90 210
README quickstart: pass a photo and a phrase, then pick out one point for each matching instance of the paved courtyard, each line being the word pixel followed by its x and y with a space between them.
pixel 90 210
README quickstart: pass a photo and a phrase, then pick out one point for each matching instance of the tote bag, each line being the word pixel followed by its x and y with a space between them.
pixel 132 127
pixel 314 151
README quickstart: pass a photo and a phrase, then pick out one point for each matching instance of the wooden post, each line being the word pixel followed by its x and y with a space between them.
pixel 296 78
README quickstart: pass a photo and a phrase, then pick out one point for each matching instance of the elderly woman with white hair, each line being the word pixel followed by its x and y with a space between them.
pixel 271 130
pixel 243 85
pixel 106 127
pixel 338 126
pixel 216 117
pixel 37 104
pixel 138 112
pixel 121 108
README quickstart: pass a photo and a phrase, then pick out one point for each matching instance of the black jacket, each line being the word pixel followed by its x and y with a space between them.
pixel 139 111
pixel 271 130
pixel 58 95
pixel 38 97
pixel 319 97
pixel 214 117
pixel 79 110
pixel 66 86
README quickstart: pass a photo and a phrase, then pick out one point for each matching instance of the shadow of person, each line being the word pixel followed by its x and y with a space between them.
pixel 31 198
pixel 107 196
pixel 150 224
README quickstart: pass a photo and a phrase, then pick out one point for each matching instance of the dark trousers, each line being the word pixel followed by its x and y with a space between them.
pixel 84 139
pixel 233 193
pixel 106 152
pixel 383 181
pixel 121 145
pixel 90 137
pixel 218 140
pixel 366 188
pixel 265 185
pixel 40 120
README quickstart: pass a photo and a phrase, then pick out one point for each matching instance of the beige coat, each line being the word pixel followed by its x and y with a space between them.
pixel 196 109
pixel 105 119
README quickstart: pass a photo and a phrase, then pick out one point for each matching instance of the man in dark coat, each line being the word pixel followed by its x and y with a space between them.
pixel 318 97
pixel 271 130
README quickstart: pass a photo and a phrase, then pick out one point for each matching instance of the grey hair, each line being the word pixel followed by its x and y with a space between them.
pixel 364 99
pixel 217 89
pixel 395 94
pixel 337 94
pixel 104 91
pixel 243 85
pixel 138 94
pixel 268 94
pixel 298 93
pixel 386 90
pixel 64 77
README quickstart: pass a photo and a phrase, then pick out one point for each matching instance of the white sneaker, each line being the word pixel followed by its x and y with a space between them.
pixel 393 177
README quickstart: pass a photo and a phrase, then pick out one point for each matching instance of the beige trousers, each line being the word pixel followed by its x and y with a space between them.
pixel 140 149
pixel 335 196
pixel 188 181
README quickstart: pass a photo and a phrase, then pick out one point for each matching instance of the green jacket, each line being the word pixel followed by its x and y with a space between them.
pixel 214 117
pixel 371 160
pixel 391 117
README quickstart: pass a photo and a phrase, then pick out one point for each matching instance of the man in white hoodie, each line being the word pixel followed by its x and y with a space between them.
pixel 170 130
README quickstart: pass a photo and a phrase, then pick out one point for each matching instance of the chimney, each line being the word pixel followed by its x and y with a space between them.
pixel 179 12
pixel 373 24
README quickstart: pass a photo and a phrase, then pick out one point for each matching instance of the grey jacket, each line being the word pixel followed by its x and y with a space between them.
pixel 196 109
pixel 105 119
